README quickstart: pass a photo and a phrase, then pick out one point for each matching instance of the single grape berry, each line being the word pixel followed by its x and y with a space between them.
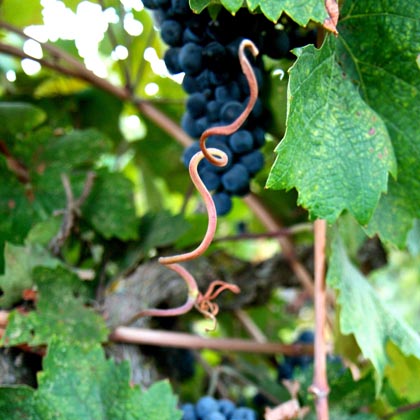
pixel 190 58
pixel 171 59
pixel 197 105
pixel 190 126
pixel 226 407
pixel 253 161
pixel 222 202
pixel 236 179
pixel 171 32
pixel 215 416
pixel 241 141
pixel 188 412
pixel 205 406
pixel 231 111
pixel 210 179
pixel 243 413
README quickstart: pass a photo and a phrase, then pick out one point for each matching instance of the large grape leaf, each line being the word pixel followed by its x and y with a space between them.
pixel 300 11
pixel 336 151
pixel 110 206
pixel 363 314
pixel 20 261
pixel 378 45
pixel 60 312
pixel 377 50
pixel 79 383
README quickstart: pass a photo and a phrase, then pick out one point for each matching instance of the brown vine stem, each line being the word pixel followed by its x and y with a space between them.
pixel 184 340
pixel 319 386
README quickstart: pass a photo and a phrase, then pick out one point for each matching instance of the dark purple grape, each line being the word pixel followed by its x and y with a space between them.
pixel 226 407
pixel 210 179
pixel 171 32
pixel 189 84
pixel 243 413
pixel 213 110
pixel 188 412
pixel 222 202
pixel 205 406
pixel 197 105
pixel 190 126
pixel 259 137
pixel 214 57
pixel 241 141
pixel 171 59
pixel 236 179
pixel 215 416
pixel 228 92
pixel 190 58
pixel 253 161
pixel 231 111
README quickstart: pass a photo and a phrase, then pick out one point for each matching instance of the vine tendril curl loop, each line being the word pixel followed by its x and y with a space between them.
pixel 226 130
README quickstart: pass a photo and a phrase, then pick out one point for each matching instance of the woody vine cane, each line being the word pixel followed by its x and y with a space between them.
pixel 204 303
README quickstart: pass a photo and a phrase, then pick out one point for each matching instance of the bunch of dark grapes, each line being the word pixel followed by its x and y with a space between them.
pixel 208 408
pixel 206 50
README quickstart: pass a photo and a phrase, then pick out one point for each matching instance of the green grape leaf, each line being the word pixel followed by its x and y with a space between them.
pixel 21 13
pixel 161 229
pixel 79 383
pixel 20 261
pixel 363 314
pixel 16 214
pixel 300 12
pixel 60 312
pixel 159 403
pixel 336 151
pixel 19 117
pixel 403 374
pixel 110 206
pixel 77 148
pixel 389 81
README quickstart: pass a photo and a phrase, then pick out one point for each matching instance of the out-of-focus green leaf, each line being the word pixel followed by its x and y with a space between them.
pixel 363 314
pixel 161 229
pixel 19 117
pixel 79 383
pixel 403 373
pixel 21 13
pixel 110 206
pixel 100 110
pixel 44 231
pixel 413 238
pixel 20 261
pixel 59 86
pixel 60 312
pixel 336 151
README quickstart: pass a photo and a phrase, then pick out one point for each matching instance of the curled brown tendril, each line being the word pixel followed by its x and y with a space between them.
pixel 204 302
pixel 226 130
